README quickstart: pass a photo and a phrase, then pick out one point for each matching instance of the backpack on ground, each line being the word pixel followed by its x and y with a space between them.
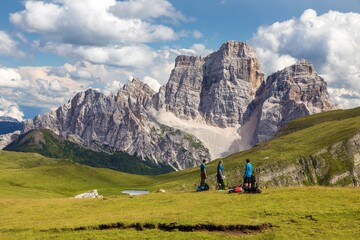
pixel 235 189
pixel 202 188
pixel 254 187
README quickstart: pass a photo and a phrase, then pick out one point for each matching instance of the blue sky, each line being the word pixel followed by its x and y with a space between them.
pixel 49 50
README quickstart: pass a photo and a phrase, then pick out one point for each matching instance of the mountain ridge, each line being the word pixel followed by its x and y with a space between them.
pixel 10 125
pixel 133 129
pixel 205 111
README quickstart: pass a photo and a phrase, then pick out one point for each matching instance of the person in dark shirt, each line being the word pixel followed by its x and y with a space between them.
pixel 220 175
pixel 203 173
pixel 247 174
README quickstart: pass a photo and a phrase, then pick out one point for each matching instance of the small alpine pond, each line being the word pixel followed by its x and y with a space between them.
pixel 135 192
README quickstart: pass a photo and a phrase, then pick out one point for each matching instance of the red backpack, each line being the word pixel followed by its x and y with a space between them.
pixel 237 189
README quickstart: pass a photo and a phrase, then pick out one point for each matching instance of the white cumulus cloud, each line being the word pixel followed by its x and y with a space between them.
pixel 109 33
pixel 107 41
pixel 121 56
pixel 330 41
pixel 10 78
pixel 92 22
pixel 197 49
pixel 43 87
pixel 147 9
pixel 8 46
pixel 10 109
pixel 152 82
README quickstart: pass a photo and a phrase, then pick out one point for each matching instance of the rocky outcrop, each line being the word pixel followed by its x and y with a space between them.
pixel 294 92
pixel 91 194
pixel 121 122
pixel 217 88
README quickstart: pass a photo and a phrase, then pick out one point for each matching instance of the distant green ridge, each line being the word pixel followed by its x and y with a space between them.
pixel 312 120
pixel 48 144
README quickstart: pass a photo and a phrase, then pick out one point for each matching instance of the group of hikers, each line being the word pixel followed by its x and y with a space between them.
pixel 249 179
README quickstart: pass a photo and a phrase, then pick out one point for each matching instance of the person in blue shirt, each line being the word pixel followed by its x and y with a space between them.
pixel 247 174
pixel 203 173
pixel 220 175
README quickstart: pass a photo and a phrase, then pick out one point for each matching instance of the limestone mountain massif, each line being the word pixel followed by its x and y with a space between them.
pixel 211 106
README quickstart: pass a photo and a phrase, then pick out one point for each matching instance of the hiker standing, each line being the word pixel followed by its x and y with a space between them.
pixel 203 173
pixel 220 175
pixel 247 174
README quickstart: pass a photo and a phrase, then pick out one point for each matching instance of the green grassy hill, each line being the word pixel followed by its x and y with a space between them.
pixel 51 145
pixel 312 120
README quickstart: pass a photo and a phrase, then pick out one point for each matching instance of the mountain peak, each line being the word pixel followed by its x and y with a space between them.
pixel 236 48
pixel 135 88
pixel 301 67
pixel 183 60
pixel 137 81
pixel 216 88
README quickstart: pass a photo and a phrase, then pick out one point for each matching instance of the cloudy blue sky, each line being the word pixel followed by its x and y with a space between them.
pixel 49 50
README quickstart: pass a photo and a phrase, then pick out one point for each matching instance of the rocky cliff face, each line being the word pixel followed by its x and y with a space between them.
pixel 122 122
pixel 293 92
pixel 181 95
pixel 216 89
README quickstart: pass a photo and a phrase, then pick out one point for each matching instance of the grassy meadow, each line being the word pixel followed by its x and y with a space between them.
pixel 35 204
pixel 298 213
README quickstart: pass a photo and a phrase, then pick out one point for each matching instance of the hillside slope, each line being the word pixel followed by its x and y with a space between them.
pixel 48 144
pixel 312 120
